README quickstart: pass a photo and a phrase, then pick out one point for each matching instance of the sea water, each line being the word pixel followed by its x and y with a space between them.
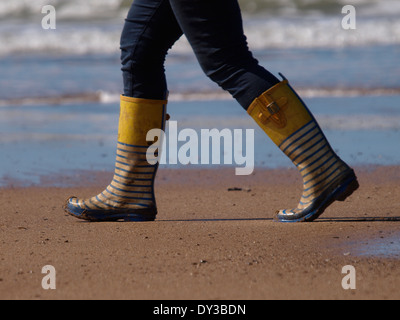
pixel 59 89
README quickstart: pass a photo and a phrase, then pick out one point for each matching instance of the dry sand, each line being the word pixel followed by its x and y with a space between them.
pixel 208 242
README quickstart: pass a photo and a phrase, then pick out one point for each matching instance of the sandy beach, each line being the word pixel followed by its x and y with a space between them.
pixel 214 238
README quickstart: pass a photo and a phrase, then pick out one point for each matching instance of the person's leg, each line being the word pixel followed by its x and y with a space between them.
pixel 150 30
pixel 214 29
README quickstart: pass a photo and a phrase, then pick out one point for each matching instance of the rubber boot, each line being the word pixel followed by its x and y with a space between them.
pixel 287 121
pixel 130 196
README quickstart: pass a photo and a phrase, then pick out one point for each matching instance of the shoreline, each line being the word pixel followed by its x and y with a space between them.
pixel 214 238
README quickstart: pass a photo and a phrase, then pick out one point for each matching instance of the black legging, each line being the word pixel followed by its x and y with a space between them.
pixel 214 29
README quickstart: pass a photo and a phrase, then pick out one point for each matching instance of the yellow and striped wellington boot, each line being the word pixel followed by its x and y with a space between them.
pixel 287 121
pixel 130 196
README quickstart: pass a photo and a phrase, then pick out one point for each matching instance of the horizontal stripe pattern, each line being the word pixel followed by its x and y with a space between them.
pixel 316 161
pixel 134 149
pixel 132 184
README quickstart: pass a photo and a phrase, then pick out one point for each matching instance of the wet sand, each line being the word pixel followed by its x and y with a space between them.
pixel 208 242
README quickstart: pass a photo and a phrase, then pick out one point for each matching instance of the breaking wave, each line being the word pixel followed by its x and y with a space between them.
pixel 89 10
pixel 94 26
pixel 111 97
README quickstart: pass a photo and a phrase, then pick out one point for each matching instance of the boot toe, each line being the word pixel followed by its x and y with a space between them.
pixel 73 208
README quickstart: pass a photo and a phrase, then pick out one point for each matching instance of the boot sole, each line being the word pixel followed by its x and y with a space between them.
pixel 141 215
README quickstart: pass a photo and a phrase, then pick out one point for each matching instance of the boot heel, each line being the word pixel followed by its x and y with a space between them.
pixel 348 190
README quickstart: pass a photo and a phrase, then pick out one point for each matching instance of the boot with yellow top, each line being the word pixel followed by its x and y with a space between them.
pixel 287 121
pixel 130 195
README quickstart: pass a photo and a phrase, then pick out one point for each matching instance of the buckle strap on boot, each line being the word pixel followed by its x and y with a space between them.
pixel 267 110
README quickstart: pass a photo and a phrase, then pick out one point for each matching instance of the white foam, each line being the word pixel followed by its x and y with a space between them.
pixel 358 122
pixel 217 95
pixel 262 35
pixel 321 33
pixel 94 26
pixel 98 9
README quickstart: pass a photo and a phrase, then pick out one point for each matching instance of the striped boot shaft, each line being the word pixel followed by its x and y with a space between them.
pixel 130 195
